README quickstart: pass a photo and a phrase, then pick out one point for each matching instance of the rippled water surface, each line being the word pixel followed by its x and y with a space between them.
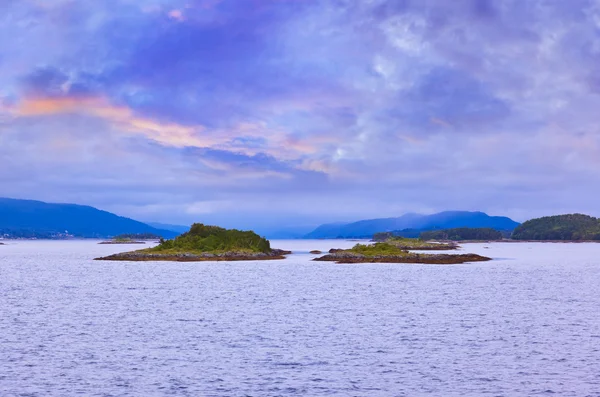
pixel 525 324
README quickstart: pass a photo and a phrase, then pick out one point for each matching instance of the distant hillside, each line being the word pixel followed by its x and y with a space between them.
pixel 442 220
pixel 28 218
pixel 165 226
pixel 462 233
pixel 559 227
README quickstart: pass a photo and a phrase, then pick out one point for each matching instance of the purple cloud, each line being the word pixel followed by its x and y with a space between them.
pixel 252 112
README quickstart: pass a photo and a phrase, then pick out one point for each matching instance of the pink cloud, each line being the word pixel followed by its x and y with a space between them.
pixel 176 15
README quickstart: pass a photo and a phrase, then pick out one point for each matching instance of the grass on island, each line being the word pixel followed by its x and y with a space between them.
pixel 378 249
pixel 395 247
pixel 212 239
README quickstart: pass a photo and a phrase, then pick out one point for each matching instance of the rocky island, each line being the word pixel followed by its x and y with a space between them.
pixel 122 241
pixel 132 238
pixel 414 244
pixel 206 243
pixel 391 253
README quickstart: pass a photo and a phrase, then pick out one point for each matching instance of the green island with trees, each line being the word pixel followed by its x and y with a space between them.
pixel 388 252
pixel 571 227
pixel 206 243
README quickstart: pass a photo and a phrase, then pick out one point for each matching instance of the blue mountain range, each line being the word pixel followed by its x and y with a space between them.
pixel 442 220
pixel 36 218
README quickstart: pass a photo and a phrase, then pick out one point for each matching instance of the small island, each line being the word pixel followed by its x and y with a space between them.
pixel 206 243
pixel 390 253
pixel 132 238
pixel 122 241
pixel 413 243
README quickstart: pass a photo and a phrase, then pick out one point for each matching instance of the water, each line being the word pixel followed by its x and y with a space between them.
pixel 525 324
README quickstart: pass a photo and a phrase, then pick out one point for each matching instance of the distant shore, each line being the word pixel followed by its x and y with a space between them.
pixel 524 241
pixel 122 242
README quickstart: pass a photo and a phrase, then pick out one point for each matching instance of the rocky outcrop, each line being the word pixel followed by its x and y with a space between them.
pixel 137 256
pixel 341 256
pixel 316 252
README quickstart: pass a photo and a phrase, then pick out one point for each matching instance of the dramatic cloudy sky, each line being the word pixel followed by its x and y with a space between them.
pixel 293 112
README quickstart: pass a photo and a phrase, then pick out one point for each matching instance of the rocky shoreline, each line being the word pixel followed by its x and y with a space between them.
pixel 137 256
pixel 341 256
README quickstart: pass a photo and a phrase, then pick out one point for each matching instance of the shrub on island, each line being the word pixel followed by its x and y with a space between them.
pixel 206 243
pixel 390 253
pixel 203 238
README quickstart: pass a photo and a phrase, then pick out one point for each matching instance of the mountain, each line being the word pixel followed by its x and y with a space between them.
pixel 179 229
pixel 559 227
pixel 442 220
pixel 284 233
pixel 28 218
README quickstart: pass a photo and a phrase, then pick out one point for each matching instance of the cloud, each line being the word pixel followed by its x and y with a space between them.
pixel 348 109
pixel 120 117
pixel 177 15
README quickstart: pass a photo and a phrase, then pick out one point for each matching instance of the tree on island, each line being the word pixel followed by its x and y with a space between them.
pixel 571 227
pixel 203 238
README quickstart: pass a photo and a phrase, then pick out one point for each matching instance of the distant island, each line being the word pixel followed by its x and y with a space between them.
pixel 390 252
pixel 132 238
pixel 206 243
pixel 413 243
pixel 571 227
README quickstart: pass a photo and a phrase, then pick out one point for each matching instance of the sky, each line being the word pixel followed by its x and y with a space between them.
pixel 286 113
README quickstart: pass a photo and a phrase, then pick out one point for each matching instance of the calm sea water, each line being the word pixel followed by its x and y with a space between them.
pixel 525 324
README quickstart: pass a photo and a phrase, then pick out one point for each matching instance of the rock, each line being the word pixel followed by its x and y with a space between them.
pixel 280 252
pixel 316 252
pixel 138 256
pixel 438 259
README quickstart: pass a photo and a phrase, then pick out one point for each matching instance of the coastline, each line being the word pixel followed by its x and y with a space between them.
pixel 121 242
